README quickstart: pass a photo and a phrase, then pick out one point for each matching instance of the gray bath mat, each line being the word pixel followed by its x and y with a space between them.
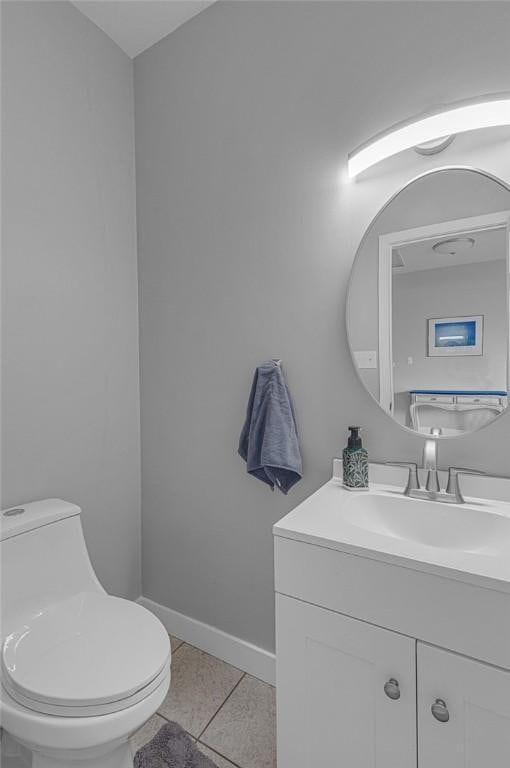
pixel 171 747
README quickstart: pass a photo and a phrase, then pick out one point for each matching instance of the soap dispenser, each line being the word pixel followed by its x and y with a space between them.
pixel 355 463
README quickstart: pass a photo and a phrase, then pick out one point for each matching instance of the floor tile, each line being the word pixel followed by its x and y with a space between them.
pixel 244 730
pixel 217 759
pixel 146 732
pixel 175 643
pixel 200 684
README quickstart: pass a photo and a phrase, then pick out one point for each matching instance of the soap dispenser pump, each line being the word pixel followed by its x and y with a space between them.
pixel 355 463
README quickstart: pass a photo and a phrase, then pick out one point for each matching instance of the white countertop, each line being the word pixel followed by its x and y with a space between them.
pixel 322 520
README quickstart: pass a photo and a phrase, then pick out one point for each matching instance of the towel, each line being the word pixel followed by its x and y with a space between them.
pixel 269 442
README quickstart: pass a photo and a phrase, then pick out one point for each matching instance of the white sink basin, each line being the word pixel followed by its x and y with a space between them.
pixel 466 528
pixel 467 542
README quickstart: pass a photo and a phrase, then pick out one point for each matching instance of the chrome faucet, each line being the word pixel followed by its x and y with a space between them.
pixel 430 461
pixel 453 487
pixel 432 490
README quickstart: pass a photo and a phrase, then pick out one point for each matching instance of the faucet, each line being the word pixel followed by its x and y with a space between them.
pixel 430 460
pixel 432 490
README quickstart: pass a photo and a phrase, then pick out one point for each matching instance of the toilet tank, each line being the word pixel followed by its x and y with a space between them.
pixel 43 558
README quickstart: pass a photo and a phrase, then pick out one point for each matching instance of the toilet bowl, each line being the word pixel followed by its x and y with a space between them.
pixel 80 670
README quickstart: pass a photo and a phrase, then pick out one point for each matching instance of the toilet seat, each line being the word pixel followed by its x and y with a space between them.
pixel 89 655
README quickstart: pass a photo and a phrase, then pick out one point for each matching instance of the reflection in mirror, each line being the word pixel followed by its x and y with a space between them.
pixel 428 303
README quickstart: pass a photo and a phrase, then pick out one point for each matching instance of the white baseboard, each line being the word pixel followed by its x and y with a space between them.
pixel 241 654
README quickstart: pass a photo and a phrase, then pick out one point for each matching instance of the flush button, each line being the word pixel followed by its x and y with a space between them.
pixel 12 512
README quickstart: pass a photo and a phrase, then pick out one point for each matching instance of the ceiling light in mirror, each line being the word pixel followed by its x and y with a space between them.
pixel 454 245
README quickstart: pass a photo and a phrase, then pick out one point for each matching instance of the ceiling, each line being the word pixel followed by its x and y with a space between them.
pixel 490 245
pixel 137 24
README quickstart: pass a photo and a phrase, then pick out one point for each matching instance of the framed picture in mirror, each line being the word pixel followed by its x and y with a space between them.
pixel 455 336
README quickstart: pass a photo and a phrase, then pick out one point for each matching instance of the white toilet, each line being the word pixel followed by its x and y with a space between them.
pixel 81 671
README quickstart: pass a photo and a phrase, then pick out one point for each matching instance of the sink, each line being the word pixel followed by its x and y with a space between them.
pixel 467 528
pixel 463 542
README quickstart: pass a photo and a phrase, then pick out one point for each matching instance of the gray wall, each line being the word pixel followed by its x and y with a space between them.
pixel 247 232
pixel 69 282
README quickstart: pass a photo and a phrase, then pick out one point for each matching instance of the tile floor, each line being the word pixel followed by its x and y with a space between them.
pixel 230 714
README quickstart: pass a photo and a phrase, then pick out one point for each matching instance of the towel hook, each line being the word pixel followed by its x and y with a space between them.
pixel 277 360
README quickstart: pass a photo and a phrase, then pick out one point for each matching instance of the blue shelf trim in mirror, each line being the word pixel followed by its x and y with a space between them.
pixel 496 392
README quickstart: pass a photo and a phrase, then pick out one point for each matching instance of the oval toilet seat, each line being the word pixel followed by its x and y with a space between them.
pixel 94 710
pixel 89 655
pixel 39 731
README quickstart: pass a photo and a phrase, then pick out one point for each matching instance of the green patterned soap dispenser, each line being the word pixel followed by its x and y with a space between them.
pixel 355 463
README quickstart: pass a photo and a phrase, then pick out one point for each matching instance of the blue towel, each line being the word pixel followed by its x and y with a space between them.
pixel 269 442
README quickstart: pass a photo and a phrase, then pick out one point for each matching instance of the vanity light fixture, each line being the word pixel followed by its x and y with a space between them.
pixel 443 124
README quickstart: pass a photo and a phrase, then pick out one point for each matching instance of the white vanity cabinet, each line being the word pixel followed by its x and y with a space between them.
pixel 352 694
pixel 385 659
pixel 477 702
pixel 332 705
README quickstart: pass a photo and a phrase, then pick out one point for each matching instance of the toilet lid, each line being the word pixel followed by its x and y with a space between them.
pixel 88 650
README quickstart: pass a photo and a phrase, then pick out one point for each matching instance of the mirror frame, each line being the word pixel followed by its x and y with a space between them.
pixel 429 172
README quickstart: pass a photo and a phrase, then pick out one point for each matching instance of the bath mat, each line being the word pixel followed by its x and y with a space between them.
pixel 171 747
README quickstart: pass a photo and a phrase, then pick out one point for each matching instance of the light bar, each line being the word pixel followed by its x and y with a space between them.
pixel 487 112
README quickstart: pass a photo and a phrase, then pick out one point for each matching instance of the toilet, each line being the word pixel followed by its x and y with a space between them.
pixel 80 670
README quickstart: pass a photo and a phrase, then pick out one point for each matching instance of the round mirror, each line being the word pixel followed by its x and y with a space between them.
pixel 427 309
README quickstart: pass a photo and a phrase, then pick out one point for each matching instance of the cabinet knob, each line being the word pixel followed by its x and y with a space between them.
pixel 392 689
pixel 440 711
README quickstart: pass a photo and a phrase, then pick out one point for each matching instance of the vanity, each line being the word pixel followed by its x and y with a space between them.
pixel 393 627
pixel 393 603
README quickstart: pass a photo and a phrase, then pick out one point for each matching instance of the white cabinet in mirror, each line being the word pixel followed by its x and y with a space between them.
pixel 428 302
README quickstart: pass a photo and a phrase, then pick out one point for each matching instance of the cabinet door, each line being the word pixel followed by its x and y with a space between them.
pixel 477 699
pixel 332 709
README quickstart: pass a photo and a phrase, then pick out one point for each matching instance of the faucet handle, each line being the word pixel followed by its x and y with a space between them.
pixel 413 482
pixel 453 486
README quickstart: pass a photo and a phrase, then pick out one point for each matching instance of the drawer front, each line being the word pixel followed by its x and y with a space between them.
pixel 457 616
pixel 479 400
pixel 434 398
